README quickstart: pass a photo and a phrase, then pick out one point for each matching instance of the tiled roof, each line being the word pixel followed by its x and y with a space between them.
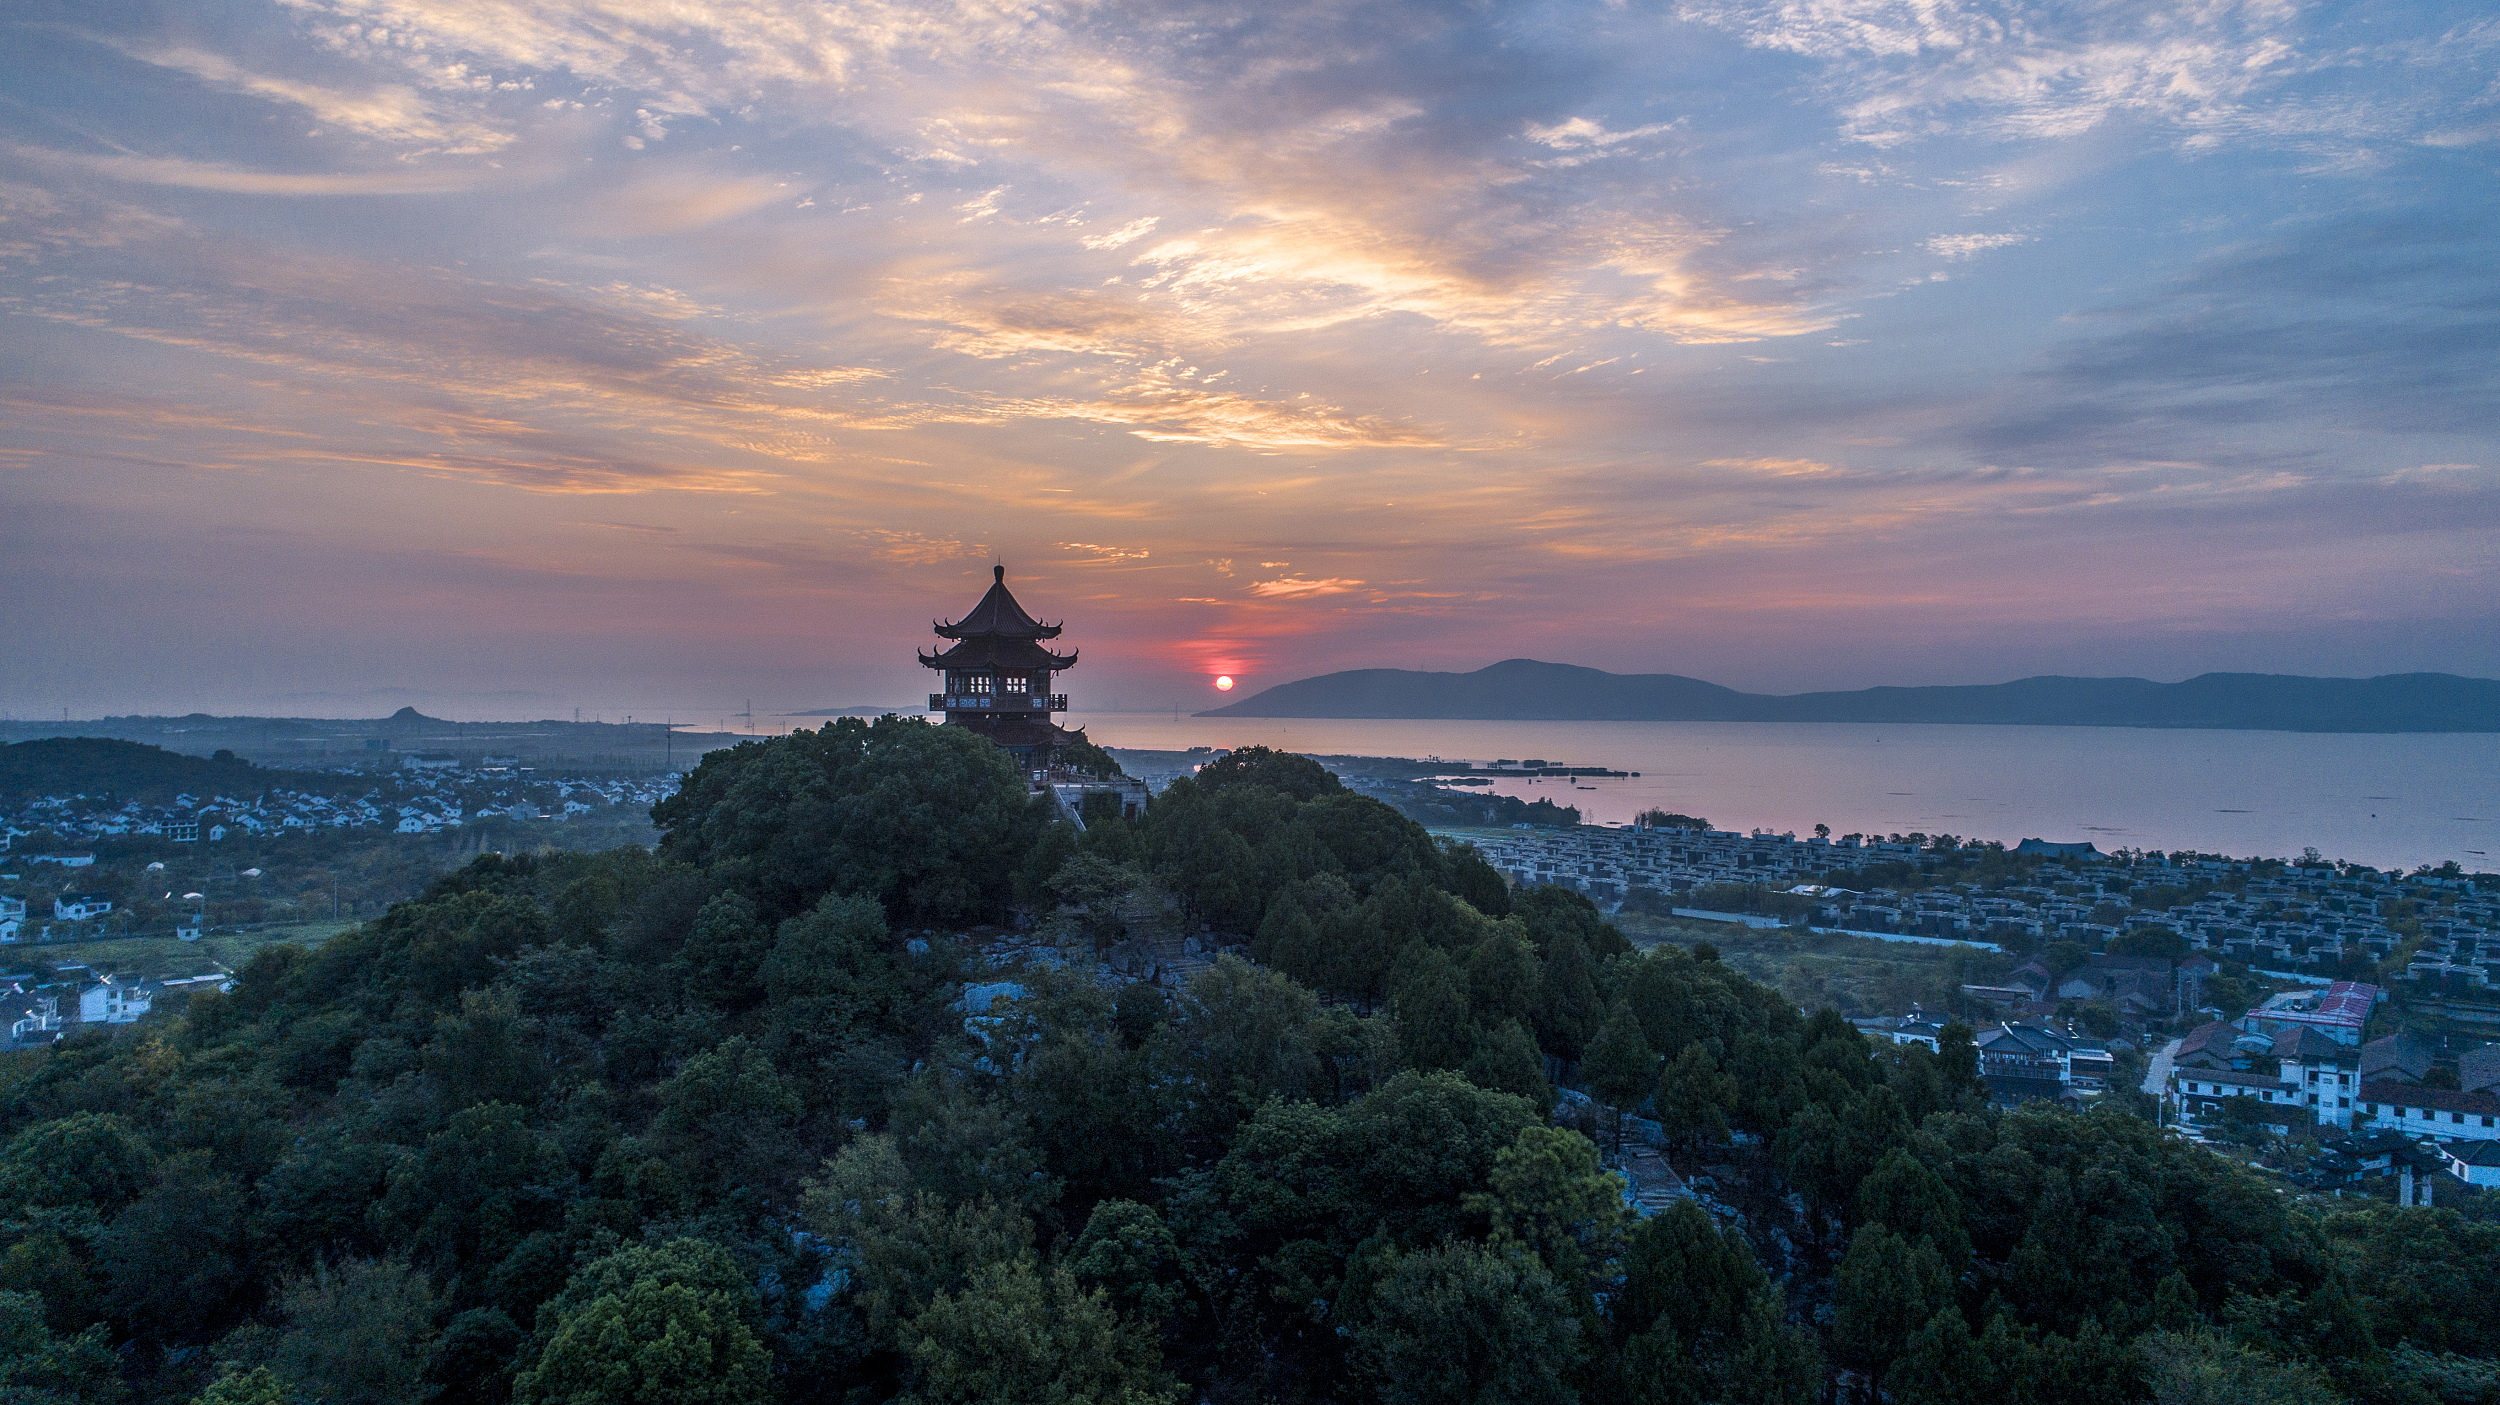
pixel 998 613
pixel 2480 1068
pixel 2400 1052
pixel 2212 1038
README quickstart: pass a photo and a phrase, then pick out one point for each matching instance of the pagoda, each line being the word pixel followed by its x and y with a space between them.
pixel 998 678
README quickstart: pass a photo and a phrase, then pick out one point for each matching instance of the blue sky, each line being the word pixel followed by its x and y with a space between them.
pixel 622 353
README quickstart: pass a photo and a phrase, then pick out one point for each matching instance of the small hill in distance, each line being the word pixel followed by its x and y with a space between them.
pixel 1524 690
pixel 131 770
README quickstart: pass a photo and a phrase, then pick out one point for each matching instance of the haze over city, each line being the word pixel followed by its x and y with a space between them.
pixel 512 356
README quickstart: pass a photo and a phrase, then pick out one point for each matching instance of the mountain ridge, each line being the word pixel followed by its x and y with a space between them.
pixel 1526 690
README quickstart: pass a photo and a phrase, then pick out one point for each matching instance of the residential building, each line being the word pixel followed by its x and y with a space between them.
pixel 36 1018
pixel 2479 1070
pixel 115 1001
pixel 2397 1058
pixel 2324 1073
pixel 2023 1062
pixel 2444 1114
pixel 2338 1011
pixel 2209 1046
pixel 2475 1163
pixel 78 907
pixel 2198 1094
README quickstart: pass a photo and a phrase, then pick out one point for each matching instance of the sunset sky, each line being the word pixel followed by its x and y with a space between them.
pixel 508 357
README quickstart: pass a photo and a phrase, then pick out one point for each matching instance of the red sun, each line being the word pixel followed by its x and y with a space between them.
pixel 1224 684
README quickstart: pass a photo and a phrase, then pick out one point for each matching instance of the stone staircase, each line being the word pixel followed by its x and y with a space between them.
pixel 1654 1185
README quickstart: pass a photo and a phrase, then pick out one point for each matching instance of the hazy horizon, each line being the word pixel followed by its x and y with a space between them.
pixel 521 705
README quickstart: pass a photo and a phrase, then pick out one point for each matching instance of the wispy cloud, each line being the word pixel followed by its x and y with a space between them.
pixel 1963 246
pixel 1300 587
pixel 236 180
pixel 392 112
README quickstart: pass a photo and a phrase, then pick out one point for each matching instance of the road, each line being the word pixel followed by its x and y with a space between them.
pixel 2157 1073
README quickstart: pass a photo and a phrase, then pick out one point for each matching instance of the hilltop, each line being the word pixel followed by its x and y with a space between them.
pixel 1529 690
pixel 130 770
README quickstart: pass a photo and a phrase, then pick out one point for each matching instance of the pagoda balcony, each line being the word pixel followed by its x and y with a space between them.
pixel 998 702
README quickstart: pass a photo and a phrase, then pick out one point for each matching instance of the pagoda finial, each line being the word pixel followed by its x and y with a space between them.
pixel 998 575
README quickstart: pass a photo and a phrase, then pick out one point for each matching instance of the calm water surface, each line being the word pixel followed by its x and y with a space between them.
pixel 2381 800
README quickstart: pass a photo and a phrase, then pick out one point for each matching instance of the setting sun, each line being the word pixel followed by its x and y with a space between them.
pixel 1224 684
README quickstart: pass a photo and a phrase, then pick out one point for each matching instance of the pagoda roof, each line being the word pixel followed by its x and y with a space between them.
pixel 998 651
pixel 998 614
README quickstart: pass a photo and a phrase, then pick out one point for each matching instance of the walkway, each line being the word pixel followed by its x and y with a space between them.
pixel 1654 1185
pixel 2157 1074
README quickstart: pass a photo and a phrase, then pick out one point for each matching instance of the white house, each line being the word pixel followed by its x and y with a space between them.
pixel 2475 1163
pixel 78 907
pixel 2440 1113
pixel 2324 1073
pixel 2200 1091
pixel 38 1018
pixel 115 1001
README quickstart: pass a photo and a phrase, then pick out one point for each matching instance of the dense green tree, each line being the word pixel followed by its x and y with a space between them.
pixel 1299 777
pixel 729 1112
pixel 670 1324
pixel 38 1368
pixel 1428 994
pixel 479 1185
pixel 928 820
pixel 358 1333
pixel 1692 1098
pixel 482 1054
pixel 1887 1288
pixel 91 1159
pixel 722 962
pixel 1478 882
pixel 1619 1067
pixel 258 1386
pixel 1569 1005
pixel 1548 1193
pixel 174 1267
pixel 2203 1368
pixel 1505 1058
pixel 1463 1324
pixel 1548 912
pixel 1129 1254
pixel 1017 1335
pixel 908 1244
pixel 1915 1203
pixel 1238 1036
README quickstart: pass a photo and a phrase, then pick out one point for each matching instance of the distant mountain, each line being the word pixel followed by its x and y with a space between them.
pixel 1523 690
pixel 129 770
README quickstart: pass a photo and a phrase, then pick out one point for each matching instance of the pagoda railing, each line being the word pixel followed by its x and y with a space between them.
pixel 998 702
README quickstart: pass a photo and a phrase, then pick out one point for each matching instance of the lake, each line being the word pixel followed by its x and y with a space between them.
pixel 2381 800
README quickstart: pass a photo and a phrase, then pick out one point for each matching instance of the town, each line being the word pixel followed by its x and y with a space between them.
pixel 2124 958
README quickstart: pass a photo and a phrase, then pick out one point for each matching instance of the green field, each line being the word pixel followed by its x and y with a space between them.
pixel 163 956
pixel 1855 975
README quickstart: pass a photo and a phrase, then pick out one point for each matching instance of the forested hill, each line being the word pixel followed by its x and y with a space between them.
pixel 1526 690
pixel 725 1124
pixel 130 770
